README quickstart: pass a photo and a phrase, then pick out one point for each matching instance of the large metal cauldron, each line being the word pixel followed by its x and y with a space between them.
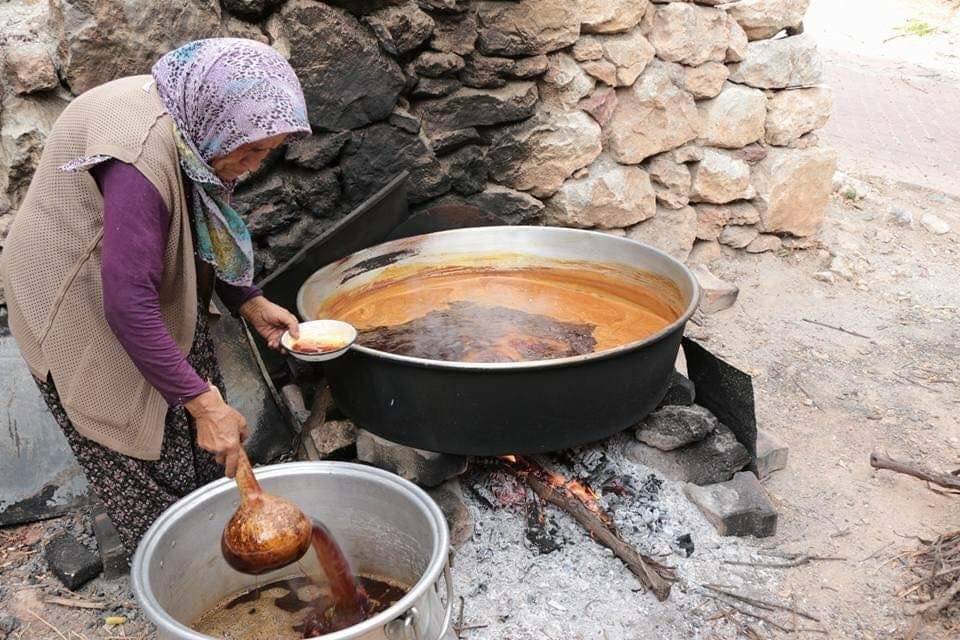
pixel 502 408
pixel 388 527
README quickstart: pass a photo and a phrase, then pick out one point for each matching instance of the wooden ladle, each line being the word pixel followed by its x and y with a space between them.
pixel 265 532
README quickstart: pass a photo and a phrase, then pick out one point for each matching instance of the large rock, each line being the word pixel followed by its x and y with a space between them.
pixel 347 79
pixel 455 33
pixel 793 188
pixel 317 151
pixel 739 507
pixel 628 53
pixel 425 468
pixel 670 230
pixel 610 196
pixel 469 107
pixel 652 116
pixel 738 236
pixel 712 218
pixel 719 178
pixel 676 426
pixel 467 169
pixel 100 41
pixel 377 153
pixel 716 294
pixel 509 206
pixel 527 27
pixel 765 18
pixel 25 122
pixel 284 197
pixel 433 64
pixel 611 16
pixel 401 28
pixel 733 119
pixel 690 34
pixel 537 156
pixel 780 63
pixel 706 80
pixel 790 114
pixel 714 459
pixel 250 9
pixel 29 68
pixel 671 180
pixel 600 104
pixel 564 84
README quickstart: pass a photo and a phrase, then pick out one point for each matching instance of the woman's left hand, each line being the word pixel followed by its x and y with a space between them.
pixel 269 319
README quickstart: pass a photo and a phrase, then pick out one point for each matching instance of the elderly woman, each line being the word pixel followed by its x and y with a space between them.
pixel 123 236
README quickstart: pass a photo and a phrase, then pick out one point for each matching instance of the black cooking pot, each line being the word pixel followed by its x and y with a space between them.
pixel 501 408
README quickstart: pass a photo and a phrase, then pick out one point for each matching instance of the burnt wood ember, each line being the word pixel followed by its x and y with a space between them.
pixel 584 507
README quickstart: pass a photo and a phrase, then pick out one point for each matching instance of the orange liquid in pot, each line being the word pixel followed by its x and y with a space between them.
pixel 506 314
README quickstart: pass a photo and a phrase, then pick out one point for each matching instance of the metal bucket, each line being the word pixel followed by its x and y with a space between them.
pixel 387 526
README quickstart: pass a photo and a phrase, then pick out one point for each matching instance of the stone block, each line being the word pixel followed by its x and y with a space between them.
pixel 527 27
pixel 652 116
pixel 611 16
pixel 681 392
pixel 739 507
pixel 766 18
pixel 469 107
pixel 564 84
pixel 670 230
pixel 676 426
pixel 779 64
pixel 113 555
pixel 719 178
pixel 449 497
pixel 791 114
pixel 793 188
pixel 401 28
pixel 738 236
pixel 540 154
pixel 714 459
pixel 426 468
pixel 29 68
pixel 733 119
pixel 716 294
pixel 772 454
pixel 690 34
pixel 611 196
pixel 71 562
pixel 334 440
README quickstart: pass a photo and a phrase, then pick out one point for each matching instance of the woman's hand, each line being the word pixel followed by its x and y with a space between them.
pixel 270 320
pixel 220 428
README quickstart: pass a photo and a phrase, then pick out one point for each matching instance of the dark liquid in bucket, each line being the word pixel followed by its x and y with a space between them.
pixel 300 607
pixel 280 610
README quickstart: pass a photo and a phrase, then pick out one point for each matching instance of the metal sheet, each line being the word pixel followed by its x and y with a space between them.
pixel 39 477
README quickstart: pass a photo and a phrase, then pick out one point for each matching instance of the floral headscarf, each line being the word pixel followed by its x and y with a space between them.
pixel 223 93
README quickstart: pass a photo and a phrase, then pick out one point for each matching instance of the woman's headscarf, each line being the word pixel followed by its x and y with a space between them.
pixel 223 93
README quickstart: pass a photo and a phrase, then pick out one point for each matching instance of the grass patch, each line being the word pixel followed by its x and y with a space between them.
pixel 916 27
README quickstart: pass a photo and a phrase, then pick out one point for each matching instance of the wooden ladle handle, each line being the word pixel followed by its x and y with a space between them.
pixel 246 481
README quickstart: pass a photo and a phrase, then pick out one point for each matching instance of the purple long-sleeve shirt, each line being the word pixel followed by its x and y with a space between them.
pixel 136 223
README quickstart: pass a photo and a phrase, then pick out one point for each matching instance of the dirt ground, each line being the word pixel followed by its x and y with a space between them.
pixel 888 381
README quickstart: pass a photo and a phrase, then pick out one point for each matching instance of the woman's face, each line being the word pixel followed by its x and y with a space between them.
pixel 245 158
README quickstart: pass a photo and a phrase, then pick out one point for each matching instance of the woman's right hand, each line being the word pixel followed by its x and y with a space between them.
pixel 221 429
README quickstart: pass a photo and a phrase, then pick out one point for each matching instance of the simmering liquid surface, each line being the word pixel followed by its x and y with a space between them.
pixel 493 314
pixel 277 611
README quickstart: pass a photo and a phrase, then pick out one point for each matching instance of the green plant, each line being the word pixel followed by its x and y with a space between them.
pixel 916 27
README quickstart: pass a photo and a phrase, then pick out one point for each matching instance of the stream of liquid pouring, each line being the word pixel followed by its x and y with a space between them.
pixel 351 604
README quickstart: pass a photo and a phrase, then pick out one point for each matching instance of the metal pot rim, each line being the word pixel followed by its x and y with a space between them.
pixel 533 364
pixel 140 574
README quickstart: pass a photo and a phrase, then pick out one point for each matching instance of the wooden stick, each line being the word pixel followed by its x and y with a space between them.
pixel 761 604
pixel 41 619
pixel 836 328
pixel 645 568
pixel 882 461
pixel 75 603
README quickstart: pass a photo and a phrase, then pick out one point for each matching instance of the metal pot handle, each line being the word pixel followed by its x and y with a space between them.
pixel 448 581
pixel 402 628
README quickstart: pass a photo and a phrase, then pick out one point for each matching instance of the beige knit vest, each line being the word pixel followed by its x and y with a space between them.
pixel 52 266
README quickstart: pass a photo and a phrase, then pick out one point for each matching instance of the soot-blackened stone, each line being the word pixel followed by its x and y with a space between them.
pixel 739 507
pixel 681 391
pixel 71 562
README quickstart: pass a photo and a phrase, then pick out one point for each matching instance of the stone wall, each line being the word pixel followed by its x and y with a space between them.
pixel 671 122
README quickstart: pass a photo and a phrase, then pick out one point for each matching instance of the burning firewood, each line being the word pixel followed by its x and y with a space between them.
pixel 580 501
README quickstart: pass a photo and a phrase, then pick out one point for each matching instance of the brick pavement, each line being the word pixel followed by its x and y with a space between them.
pixel 895 121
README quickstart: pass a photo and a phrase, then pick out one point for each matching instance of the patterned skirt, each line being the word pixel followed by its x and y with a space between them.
pixel 135 491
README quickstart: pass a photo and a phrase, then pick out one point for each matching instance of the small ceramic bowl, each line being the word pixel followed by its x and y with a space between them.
pixel 320 340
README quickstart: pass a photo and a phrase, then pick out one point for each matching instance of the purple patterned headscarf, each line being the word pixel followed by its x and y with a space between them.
pixel 223 93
